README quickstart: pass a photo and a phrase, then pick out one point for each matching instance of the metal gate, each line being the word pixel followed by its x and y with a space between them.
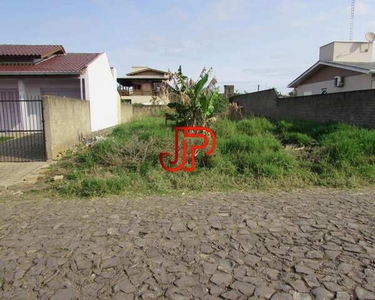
pixel 22 135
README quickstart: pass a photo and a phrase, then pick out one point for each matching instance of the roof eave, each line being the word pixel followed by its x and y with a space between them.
pixel 15 73
pixel 295 83
pixel 146 69
pixel 346 67
pixel 144 77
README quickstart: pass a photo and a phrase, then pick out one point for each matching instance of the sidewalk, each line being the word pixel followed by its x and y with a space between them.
pixel 16 173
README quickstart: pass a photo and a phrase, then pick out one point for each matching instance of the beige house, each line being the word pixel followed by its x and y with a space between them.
pixel 342 67
pixel 142 85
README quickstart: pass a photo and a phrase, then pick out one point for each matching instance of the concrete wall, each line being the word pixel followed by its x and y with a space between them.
pixel 101 90
pixel 356 107
pixel 147 110
pixel 351 83
pixel 146 100
pixel 260 103
pixel 118 109
pixel 347 51
pixel 126 112
pixel 66 122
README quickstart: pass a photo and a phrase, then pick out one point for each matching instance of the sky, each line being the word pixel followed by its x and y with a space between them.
pixel 246 42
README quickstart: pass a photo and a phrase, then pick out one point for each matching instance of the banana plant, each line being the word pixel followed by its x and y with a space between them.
pixel 193 102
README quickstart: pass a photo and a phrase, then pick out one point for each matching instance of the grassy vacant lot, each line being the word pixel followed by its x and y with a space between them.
pixel 253 153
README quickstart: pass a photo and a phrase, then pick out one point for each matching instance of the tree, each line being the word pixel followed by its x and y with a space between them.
pixel 193 102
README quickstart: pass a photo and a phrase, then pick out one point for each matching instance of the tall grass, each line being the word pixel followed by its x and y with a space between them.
pixel 251 153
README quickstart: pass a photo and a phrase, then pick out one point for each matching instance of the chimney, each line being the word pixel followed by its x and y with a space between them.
pixel 346 52
pixel 228 91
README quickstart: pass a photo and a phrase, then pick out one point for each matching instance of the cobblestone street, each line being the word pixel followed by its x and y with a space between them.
pixel 316 244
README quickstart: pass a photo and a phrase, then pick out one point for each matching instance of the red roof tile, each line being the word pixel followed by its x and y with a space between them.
pixel 63 63
pixel 31 50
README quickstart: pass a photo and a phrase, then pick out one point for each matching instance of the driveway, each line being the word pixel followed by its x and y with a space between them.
pixel 315 244
pixel 23 148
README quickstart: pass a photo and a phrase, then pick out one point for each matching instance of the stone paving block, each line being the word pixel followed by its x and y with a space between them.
pixel 303 245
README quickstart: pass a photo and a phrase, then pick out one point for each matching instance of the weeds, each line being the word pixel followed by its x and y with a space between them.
pixel 251 153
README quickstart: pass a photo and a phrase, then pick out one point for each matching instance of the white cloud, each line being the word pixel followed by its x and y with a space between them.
pixel 371 25
pixel 362 8
pixel 164 45
pixel 291 6
pixel 178 13
pixel 225 10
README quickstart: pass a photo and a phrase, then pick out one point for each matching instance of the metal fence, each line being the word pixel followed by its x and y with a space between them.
pixel 22 135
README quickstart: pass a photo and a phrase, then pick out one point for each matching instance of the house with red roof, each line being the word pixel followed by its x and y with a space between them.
pixel 38 70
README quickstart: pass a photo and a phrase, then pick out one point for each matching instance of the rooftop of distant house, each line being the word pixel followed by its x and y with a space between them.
pixel 42 60
pixel 143 73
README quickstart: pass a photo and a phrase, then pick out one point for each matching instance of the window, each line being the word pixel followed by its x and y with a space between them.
pixel 137 87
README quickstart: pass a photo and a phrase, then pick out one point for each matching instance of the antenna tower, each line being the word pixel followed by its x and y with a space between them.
pixel 351 20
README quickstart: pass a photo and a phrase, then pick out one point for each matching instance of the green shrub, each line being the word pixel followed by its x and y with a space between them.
pixel 265 164
pixel 144 128
pixel 255 126
pixel 249 154
pixel 224 128
pixel 283 126
pixel 104 152
pixel 245 143
pixel 221 106
pixel 296 138
pixel 94 187
pixel 349 144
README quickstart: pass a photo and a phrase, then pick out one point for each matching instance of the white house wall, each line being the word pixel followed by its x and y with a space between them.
pixel 347 51
pixel 352 83
pixel 101 91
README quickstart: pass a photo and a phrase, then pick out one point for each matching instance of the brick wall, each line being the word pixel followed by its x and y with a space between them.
pixel 357 107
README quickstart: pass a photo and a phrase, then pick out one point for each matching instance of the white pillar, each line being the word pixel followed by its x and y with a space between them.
pixel 21 89
pixel 23 111
pixel 81 86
